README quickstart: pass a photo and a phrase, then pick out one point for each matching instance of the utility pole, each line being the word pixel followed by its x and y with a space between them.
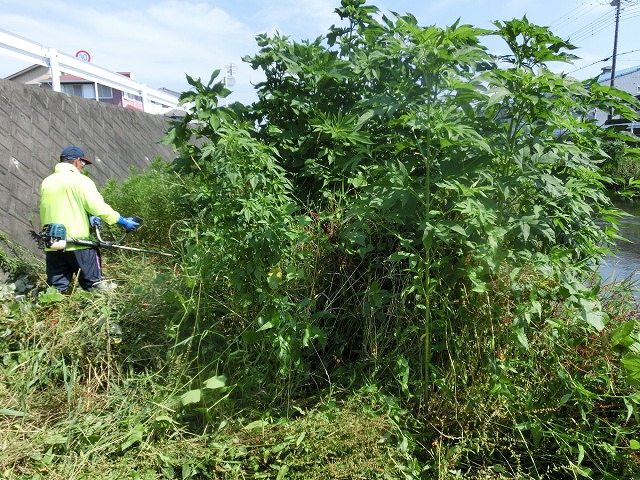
pixel 612 80
pixel 615 3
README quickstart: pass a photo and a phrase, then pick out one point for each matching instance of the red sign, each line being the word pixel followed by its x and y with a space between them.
pixel 83 55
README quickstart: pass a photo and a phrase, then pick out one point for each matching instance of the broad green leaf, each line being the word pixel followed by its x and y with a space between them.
pixel 163 419
pixel 592 313
pixel 522 338
pixel 192 396
pixel 497 95
pixel 135 436
pixel 631 363
pixel 364 118
pixel 595 318
pixel 458 229
pixel 282 472
pixel 565 398
pixel 51 295
pixel 216 382
pixel 580 454
pixel 266 326
pixel 623 335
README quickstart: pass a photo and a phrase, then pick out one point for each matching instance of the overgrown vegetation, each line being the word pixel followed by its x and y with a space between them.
pixel 15 260
pixel 622 167
pixel 385 270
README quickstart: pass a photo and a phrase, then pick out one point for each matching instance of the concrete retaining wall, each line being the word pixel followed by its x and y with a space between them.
pixel 36 124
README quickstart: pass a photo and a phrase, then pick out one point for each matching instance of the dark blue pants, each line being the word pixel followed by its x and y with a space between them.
pixel 61 266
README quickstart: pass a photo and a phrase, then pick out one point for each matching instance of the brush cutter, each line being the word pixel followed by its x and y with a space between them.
pixel 55 237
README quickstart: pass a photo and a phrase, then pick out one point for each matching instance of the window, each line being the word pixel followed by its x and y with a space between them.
pixel 84 90
pixel 104 92
pixel 131 96
pixel 72 90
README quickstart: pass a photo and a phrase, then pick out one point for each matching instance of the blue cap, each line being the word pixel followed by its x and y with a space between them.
pixel 72 152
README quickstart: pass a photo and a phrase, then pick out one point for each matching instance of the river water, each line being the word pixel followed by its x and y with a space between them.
pixel 625 265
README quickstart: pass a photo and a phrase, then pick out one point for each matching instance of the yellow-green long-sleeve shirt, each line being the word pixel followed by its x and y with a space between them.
pixel 69 197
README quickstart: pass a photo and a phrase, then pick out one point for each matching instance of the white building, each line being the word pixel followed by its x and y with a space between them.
pixel 627 80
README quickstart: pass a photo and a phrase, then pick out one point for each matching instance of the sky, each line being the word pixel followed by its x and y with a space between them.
pixel 162 41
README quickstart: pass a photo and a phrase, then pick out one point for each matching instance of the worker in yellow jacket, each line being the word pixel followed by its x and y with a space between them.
pixel 70 198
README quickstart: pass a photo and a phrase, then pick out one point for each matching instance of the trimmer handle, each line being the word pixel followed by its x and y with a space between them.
pixel 97 232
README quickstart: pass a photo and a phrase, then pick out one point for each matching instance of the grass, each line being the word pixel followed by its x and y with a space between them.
pixel 124 431
pixel 79 403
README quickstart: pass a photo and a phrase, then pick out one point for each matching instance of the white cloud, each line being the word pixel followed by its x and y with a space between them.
pixel 300 19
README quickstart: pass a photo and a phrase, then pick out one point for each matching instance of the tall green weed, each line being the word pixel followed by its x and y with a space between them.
pixel 422 167
pixel 401 207
pixel 156 196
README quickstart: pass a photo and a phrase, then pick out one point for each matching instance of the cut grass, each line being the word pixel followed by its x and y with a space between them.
pixel 123 434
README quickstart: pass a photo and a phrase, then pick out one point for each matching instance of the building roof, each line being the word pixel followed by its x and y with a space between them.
pixel 605 76
pixel 31 68
pixel 67 78
pixel 45 77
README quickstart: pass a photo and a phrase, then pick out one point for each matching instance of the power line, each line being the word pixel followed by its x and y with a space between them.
pixel 569 17
pixel 590 30
pixel 624 11
pixel 597 21
pixel 568 14
pixel 634 14
pixel 603 17
pixel 598 24
pixel 601 23
pixel 604 60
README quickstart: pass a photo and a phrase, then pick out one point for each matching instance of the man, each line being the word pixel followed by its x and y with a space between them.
pixel 69 198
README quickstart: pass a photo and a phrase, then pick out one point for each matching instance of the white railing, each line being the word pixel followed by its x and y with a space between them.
pixel 59 62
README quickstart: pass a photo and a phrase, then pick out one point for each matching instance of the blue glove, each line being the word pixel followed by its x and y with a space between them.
pixel 95 221
pixel 128 223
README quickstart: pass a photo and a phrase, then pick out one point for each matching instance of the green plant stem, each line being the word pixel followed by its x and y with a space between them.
pixel 427 326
